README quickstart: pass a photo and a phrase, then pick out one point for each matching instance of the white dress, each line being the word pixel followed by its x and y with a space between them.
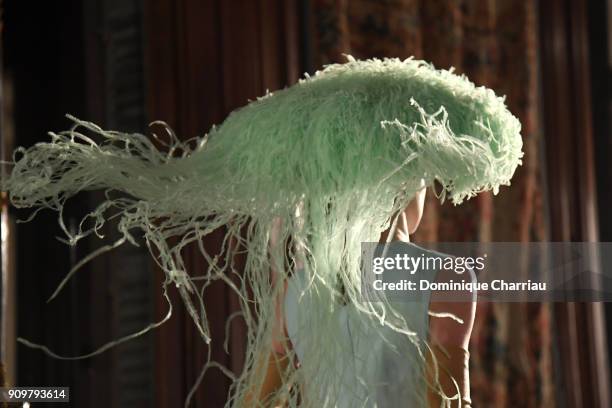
pixel 367 364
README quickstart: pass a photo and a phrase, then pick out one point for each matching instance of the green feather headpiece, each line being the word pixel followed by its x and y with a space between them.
pixel 328 161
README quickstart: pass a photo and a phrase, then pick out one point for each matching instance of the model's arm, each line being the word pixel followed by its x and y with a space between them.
pixel 449 339
pixel 448 357
pixel 270 367
pixel 447 360
pixel 274 360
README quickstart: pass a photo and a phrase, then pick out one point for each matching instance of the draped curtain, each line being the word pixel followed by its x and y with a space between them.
pixel 494 42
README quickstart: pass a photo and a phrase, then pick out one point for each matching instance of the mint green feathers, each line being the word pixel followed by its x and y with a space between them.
pixel 352 125
pixel 333 158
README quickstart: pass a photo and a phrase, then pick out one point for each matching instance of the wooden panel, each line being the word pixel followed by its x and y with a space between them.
pixel 580 327
pixel 240 52
pixel 160 59
pixel 204 59
pixel 43 53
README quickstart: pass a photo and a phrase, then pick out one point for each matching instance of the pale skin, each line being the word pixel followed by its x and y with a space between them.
pixel 448 333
